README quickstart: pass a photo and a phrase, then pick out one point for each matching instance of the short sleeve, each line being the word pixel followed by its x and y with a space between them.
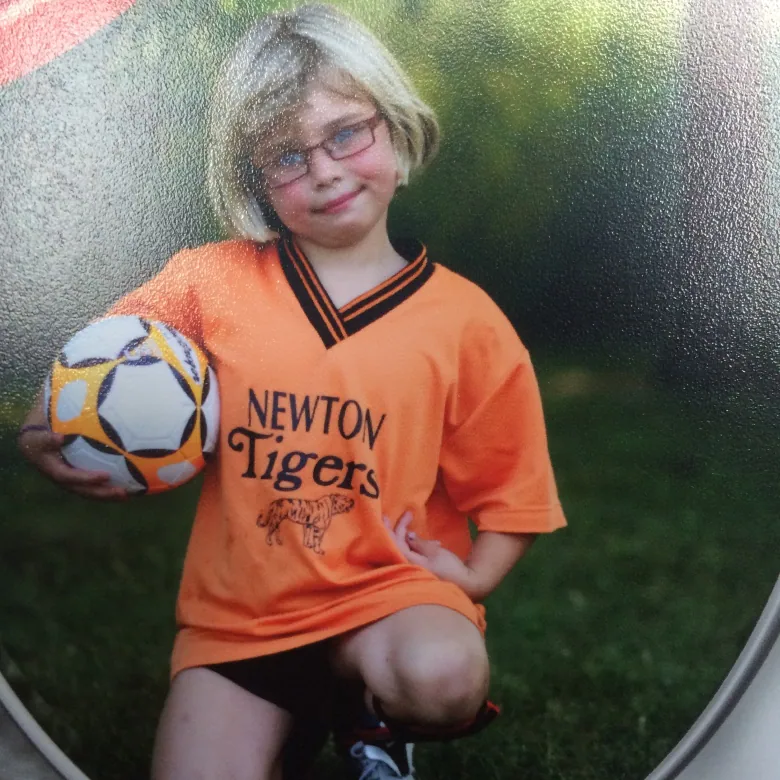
pixel 171 297
pixel 495 462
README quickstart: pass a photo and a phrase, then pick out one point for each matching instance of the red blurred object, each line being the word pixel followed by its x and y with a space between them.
pixel 34 32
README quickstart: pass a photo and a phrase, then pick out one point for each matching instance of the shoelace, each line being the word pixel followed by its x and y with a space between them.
pixel 378 765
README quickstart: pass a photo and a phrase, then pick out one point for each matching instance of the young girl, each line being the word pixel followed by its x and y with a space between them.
pixel 371 401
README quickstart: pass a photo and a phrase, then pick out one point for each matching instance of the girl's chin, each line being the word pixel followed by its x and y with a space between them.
pixel 342 238
pixel 342 233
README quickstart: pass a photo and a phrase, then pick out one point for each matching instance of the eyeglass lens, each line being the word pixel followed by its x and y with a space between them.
pixel 344 143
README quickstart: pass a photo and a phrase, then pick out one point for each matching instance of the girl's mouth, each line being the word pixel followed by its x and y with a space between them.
pixel 337 204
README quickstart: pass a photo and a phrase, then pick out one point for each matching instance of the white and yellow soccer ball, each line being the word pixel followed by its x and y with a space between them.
pixel 137 399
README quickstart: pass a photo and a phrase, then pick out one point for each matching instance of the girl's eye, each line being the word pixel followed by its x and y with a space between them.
pixel 290 160
pixel 344 135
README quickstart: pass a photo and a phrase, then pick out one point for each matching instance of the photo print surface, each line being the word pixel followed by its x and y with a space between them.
pixel 608 174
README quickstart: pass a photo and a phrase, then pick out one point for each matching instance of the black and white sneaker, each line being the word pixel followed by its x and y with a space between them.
pixel 390 761
pixel 371 751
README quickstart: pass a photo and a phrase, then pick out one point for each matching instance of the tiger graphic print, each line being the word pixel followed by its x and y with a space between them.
pixel 314 515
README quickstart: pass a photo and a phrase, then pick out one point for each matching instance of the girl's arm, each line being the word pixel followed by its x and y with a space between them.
pixel 492 557
pixel 41 447
pixel 170 297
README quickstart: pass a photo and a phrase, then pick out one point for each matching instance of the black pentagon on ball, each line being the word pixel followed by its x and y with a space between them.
pixel 137 475
pixel 111 432
pixel 189 356
pixel 105 386
pixel 96 445
pixel 204 432
pixel 183 384
pixel 206 387
pixel 188 428
pixel 151 453
pixel 143 360
pixel 88 363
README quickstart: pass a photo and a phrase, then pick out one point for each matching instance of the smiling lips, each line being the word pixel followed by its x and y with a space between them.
pixel 337 204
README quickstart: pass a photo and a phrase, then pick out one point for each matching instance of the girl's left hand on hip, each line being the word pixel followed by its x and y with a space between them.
pixel 427 553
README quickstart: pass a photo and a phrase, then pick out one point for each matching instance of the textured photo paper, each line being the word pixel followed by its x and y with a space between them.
pixel 608 175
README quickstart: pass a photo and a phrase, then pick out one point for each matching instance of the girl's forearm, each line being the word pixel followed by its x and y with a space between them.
pixel 492 557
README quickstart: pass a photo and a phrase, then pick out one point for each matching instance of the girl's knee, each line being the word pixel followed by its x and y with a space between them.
pixel 445 683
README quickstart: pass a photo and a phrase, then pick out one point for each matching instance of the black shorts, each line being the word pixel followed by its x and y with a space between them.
pixel 298 680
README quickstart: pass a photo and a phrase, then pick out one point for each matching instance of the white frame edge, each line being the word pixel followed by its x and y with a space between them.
pixel 38 737
pixel 765 634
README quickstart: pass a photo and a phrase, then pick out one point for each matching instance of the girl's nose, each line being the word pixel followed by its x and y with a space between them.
pixel 323 169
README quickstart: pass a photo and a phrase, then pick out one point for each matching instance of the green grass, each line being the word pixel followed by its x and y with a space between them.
pixel 606 643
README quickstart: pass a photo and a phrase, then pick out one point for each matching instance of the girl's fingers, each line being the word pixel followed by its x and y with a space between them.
pixel 37 444
pixel 66 475
pixel 79 477
pixel 424 547
pixel 403 524
pixel 44 440
pixel 414 550
pixel 42 448
pixel 53 441
pixel 78 480
pixel 102 493
pixel 416 558
pixel 392 531
pixel 90 484
pixel 399 542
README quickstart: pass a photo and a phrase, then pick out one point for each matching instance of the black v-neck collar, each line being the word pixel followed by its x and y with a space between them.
pixel 333 324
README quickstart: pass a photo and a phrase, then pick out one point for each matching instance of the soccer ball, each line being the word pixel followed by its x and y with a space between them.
pixel 135 398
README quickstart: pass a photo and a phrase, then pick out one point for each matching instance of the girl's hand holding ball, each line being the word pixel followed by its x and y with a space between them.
pixel 41 447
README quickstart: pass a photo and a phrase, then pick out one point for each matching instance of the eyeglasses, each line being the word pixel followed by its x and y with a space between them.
pixel 293 164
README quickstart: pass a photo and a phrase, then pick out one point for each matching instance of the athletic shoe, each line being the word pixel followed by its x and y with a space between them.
pixel 391 761
pixel 369 749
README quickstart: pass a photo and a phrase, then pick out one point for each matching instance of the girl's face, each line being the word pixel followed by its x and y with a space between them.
pixel 338 201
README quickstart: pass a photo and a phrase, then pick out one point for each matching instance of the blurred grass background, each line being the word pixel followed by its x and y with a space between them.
pixel 606 642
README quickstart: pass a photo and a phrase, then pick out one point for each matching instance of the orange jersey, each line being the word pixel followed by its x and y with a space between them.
pixel 418 395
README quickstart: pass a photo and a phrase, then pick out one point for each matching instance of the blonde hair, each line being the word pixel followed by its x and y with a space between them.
pixel 263 83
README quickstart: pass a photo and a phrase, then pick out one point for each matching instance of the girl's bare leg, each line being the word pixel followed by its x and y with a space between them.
pixel 427 665
pixel 211 729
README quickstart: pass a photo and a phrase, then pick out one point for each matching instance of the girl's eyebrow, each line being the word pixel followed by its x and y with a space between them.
pixel 349 118
pixel 290 141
